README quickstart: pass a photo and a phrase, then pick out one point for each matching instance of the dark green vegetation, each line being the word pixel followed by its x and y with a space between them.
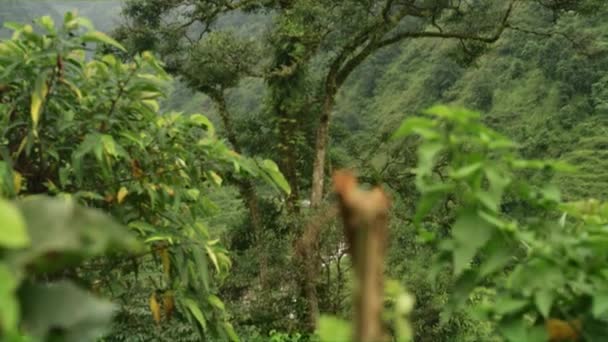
pixel 492 243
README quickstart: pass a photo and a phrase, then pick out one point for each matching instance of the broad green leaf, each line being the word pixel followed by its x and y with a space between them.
pixel 38 96
pixel 100 37
pixel 427 154
pixel 514 331
pixel 470 233
pixel 497 183
pixel 66 308
pixel 333 329
pixel 9 307
pixel 600 304
pixel 13 233
pixel 544 300
pixel 507 305
pixel 498 254
pixel 71 232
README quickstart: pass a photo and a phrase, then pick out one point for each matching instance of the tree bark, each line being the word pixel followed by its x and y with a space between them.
pixel 246 188
pixel 322 137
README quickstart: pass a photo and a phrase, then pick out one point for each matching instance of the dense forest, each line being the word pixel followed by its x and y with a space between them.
pixel 303 170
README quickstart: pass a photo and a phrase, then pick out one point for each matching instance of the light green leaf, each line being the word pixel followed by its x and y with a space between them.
pixel 13 233
pixel 470 233
pixel 201 120
pixel 100 37
pixel 216 302
pixel 544 300
pixel 231 333
pixel 48 23
pixel 466 171
pixel 600 304
pixel 217 180
pixel 507 305
pixel 9 306
pixel 213 258
pixel 333 329
pixel 411 125
pixel 277 177
pixel 38 96
pixel 196 312
pixel 427 153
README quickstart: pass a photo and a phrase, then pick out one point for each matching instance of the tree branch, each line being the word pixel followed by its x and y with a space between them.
pixel 453 35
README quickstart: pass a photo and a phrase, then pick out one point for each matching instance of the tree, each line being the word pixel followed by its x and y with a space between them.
pixel 90 129
pixel 314 47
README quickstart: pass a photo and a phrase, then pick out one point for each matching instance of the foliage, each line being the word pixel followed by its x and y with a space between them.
pixel 546 265
pixel 89 130
pixel 40 238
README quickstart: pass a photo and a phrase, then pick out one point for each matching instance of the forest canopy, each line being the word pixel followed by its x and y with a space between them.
pixel 298 170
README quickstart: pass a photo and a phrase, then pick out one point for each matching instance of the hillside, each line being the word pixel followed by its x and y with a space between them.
pixel 105 14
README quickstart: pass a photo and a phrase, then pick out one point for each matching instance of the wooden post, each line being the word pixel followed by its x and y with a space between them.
pixel 365 218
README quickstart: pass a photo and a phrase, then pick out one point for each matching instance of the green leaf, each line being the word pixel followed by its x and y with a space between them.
pixel 498 254
pixel 333 329
pixel 507 305
pixel 231 333
pixel 466 171
pixel 9 306
pixel 275 174
pixel 38 95
pixel 411 125
pixel 498 182
pixel 48 23
pixel 470 233
pixel 544 300
pixel 427 153
pixel 71 232
pixel 196 312
pixel 600 304
pixel 65 309
pixel 201 120
pixel 514 331
pixel 100 37
pixel 13 233
pixel 216 302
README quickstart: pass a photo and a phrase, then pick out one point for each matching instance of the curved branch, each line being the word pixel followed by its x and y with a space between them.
pixel 454 35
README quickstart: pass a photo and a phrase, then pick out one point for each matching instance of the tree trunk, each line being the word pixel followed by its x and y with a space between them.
pixel 246 189
pixel 288 156
pixel 322 137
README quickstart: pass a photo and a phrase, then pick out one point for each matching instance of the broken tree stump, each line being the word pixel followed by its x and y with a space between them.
pixel 365 217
